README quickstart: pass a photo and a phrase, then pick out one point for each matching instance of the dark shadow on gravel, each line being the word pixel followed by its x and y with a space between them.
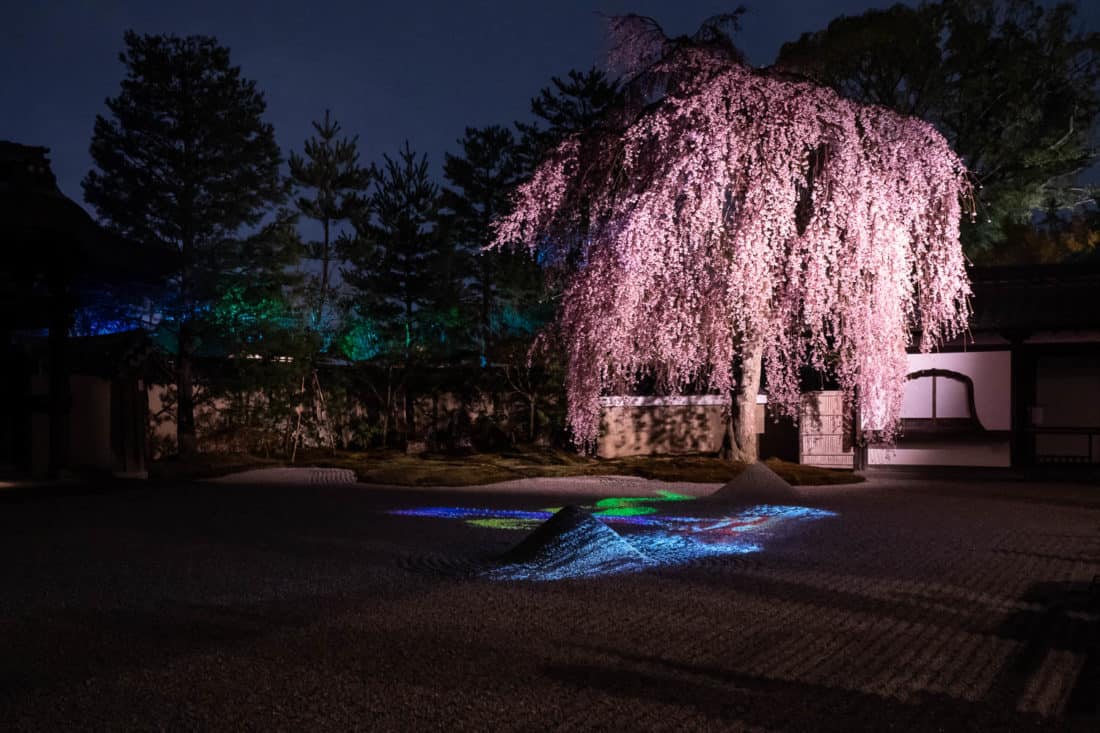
pixel 53 649
pixel 783 704
pixel 1067 621
pixel 1048 556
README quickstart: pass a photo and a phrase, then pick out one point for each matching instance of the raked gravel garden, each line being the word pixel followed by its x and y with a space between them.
pixel 319 603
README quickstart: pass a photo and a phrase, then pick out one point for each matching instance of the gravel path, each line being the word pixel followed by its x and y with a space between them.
pixel 921 605
pixel 290 475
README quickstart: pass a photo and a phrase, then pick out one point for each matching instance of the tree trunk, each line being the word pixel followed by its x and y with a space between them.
pixel 531 419
pixel 60 397
pixel 486 308
pixel 741 442
pixel 324 277
pixel 186 440
pixel 410 416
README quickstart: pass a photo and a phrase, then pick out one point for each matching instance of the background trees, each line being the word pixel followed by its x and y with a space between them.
pixel 396 266
pixel 1010 83
pixel 185 159
pixel 481 181
pixel 332 188
pixel 578 102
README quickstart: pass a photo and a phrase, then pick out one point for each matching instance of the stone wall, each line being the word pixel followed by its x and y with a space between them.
pixel 634 426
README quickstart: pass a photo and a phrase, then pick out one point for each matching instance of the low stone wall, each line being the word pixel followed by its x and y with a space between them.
pixel 661 425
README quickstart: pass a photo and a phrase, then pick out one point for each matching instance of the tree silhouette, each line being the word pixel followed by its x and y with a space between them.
pixel 393 262
pixel 184 160
pixel 1010 84
pixel 330 170
pixel 481 182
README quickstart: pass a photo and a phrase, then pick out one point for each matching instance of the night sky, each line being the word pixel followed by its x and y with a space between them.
pixel 421 70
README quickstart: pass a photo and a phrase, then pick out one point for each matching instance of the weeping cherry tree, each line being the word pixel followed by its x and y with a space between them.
pixel 735 220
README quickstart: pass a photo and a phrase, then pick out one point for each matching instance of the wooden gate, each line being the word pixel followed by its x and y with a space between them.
pixel 823 439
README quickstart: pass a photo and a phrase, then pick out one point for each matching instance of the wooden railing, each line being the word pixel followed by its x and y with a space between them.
pixel 1090 454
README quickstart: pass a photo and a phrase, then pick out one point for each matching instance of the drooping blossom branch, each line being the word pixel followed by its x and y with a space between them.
pixel 744 210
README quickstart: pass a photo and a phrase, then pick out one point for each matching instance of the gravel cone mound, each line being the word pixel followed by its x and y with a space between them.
pixel 757 484
pixel 571 544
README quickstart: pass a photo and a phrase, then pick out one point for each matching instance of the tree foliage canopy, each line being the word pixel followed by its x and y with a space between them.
pixel 391 263
pixel 1011 84
pixel 185 161
pixel 185 158
pixel 728 210
pixel 502 287
pixel 332 188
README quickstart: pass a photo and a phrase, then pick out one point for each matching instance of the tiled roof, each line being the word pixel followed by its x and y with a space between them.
pixel 1039 297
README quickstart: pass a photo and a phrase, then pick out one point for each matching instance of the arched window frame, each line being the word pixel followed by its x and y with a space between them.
pixel 936 424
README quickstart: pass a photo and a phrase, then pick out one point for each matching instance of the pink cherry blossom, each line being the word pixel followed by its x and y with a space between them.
pixel 746 208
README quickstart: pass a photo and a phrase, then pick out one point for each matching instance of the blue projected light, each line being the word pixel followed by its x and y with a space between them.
pixel 592 548
pixel 444 512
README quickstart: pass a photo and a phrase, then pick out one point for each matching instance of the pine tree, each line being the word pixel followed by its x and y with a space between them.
pixel 184 160
pixel 393 262
pixel 579 102
pixel 501 283
pixel 330 171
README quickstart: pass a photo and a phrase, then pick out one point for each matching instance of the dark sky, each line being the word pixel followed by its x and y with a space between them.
pixel 420 69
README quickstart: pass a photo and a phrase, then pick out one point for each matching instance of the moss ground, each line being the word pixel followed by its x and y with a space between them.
pixel 395 468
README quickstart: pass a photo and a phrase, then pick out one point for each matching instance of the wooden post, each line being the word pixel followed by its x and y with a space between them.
pixel 59 397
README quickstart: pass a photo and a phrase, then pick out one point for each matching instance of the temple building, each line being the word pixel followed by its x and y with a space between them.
pixel 66 403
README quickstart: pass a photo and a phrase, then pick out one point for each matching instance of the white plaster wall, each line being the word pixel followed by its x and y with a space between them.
pixel 916 401
pixel 994 454
pixel 89 424
pixel 992 375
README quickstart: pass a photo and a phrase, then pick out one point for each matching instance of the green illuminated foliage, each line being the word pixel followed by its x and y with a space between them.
pixel 184 163
pixel 361 341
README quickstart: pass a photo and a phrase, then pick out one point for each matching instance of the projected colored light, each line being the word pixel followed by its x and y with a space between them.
pixel 501 523
pixel 645 540
pixel 619 509
pixel 445 512
pixel 628 506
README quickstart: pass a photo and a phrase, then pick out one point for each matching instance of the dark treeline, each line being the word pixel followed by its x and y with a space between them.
pixel 394 326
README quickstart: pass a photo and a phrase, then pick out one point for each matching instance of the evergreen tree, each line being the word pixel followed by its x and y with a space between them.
pixel 579 102
pixel 503 285
pixel 185 160
pixel 255 322
pixel 1010 84
pixel 584 104
pixel 393 263
pixel 331 173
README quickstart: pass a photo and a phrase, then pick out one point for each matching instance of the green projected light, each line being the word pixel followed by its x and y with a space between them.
pixel 503 523
pixel 633 506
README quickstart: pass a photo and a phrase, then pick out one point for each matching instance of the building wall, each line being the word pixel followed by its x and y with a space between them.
pixel 991 372
pixel 1067 395
pixel 823 438
pixel 991 454
pixel 89 425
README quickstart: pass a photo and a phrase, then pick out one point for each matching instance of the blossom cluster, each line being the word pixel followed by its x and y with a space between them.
pixel 746 209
